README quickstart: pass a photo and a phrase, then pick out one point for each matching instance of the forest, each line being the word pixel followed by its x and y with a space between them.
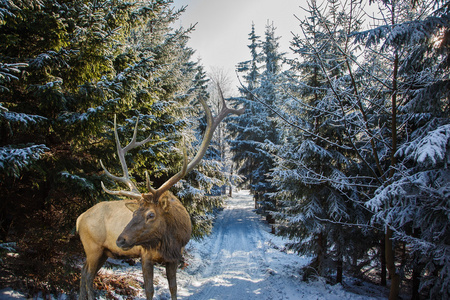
pixel 344 143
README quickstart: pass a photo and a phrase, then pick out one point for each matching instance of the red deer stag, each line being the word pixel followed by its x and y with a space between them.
pixel 154 226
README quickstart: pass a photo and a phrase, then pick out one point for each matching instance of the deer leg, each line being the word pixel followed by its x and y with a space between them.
pixel 171 273
pixel 83 285
pixel 147 270
pixel 93 263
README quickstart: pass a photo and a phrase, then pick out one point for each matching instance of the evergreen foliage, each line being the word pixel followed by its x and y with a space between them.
pixel 414 202
pixel 313 162
pixel 359 165
pixel 66 68
pixel 257 126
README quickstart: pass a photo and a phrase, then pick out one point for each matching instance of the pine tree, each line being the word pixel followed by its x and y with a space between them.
pixel 419 121
pixel 80 64
pixel 242 128
pixel 390 127
pixel 314 156
pixel 257 126
pixel 64 45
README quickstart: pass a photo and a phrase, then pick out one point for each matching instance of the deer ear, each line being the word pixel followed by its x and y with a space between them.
pixel 164 201
pixel 133 206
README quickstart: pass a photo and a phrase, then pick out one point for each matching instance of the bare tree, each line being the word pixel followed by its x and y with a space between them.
pixel 221 86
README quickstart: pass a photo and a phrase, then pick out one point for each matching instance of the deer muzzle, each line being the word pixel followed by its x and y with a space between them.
pixel 123 243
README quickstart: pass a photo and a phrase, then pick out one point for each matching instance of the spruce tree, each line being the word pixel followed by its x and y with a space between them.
pixel 385 113
pixel 242 128
pixel 67 69
pixel 256 128
pixel 416 41
pixel 314 156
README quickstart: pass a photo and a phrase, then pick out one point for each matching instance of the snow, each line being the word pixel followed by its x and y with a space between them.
pixel 432 148
pixel 25 119
pixel 12 160
pixel 10 294
pixel 241 259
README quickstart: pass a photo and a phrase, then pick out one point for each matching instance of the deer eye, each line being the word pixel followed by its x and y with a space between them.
pixel 150 216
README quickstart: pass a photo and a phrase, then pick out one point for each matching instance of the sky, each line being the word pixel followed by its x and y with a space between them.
pixel 221 34
pixel 222 27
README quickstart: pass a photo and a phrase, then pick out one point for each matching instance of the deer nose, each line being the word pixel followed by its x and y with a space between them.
pixel 122 242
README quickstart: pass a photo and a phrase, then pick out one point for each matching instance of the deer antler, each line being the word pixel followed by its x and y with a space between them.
pixel 212 123
pixel 133 192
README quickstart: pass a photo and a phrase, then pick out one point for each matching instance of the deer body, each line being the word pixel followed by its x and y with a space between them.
pixel 154 226
pixel 100 226
pixel 109 229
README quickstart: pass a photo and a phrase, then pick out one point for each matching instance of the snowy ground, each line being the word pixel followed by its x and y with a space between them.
pixel 239 260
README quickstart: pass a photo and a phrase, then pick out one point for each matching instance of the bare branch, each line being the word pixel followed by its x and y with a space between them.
pixel 289 122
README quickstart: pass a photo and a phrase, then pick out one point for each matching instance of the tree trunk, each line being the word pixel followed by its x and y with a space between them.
pixel 339 268
pixel 390 264
pixel 316 267
pixel 383 262
pixel 231 182
pixel 320 253
pixel 5 224
pixel 415 283
pixel 339 259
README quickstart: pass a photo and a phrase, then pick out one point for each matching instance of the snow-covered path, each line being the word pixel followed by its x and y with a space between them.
pixel 242 260
pixel 236 264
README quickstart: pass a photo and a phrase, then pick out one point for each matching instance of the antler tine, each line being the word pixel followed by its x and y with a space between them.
pixel 125 179
pixel 222 98
pixel 212 124
pixel 134 143
pixel 225 110
pixel 149 186
pixel 121 193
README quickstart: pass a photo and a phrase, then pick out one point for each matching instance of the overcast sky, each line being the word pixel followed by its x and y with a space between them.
pixel 221 35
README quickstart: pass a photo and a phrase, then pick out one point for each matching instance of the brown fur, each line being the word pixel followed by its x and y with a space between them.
pixel 157 239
